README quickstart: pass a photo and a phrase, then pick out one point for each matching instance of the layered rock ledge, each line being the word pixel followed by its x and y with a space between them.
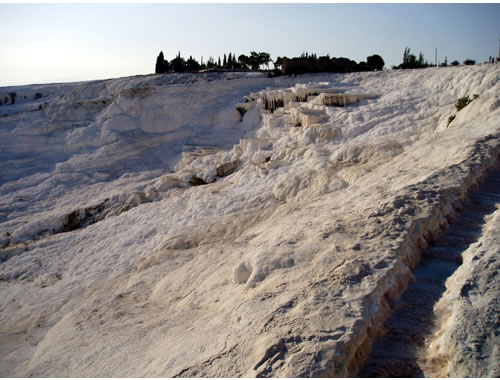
pixel 285 262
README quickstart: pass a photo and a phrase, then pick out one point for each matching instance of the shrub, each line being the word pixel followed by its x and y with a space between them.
pixel 460 105
pixel 450 119
pixel 455 63
pixel 469 62
pixel 465 101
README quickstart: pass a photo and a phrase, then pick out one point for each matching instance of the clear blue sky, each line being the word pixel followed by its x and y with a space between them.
pixel 43 43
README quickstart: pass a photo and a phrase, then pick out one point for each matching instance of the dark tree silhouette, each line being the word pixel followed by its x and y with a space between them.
pixel 203 66
pixel 469 62
pixel 410 61
pixel 210 63
pixel 178 65
pixel 406 55
pixel 244 61
pixel 278 62
pixel 161 64
pixel 421 59
pixel 192 64
pixel 264 59
pixel 306 63
pixel 253 60
pixel 375 61
pixel 257 59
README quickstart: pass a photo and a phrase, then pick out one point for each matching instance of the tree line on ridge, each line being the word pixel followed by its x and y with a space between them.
pixel 305 63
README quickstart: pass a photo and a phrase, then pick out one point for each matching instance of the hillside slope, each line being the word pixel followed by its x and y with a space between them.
pixel 228 224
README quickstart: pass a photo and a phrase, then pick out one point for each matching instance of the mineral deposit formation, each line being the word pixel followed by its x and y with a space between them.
pixel 235 225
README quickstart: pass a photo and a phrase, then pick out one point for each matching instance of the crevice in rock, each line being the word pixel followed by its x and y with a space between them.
pixel 275 355
pixel 441 206
pixel 83 217
pixel 402 351
pixel 197 181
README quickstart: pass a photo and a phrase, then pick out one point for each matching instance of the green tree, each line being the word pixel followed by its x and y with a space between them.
pixel 278 63
pixel 420 59
pixel 258 59
pixel 210 63
pixel 375 61
pixel 178 65
pixel 406 55
pixel 161 64
pixel 244 61
pixel 264 59
pixel 253 60
pixel 192 64
pixel 411 62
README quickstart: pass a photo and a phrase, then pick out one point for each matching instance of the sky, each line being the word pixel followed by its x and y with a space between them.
pixel 45 43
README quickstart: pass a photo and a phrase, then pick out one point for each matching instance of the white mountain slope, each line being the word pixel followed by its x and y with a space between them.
pixel 283 263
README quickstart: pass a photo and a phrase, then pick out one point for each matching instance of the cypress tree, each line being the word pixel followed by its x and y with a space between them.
pixel 160 67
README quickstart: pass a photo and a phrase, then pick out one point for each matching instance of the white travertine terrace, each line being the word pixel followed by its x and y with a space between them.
pixel 149 228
